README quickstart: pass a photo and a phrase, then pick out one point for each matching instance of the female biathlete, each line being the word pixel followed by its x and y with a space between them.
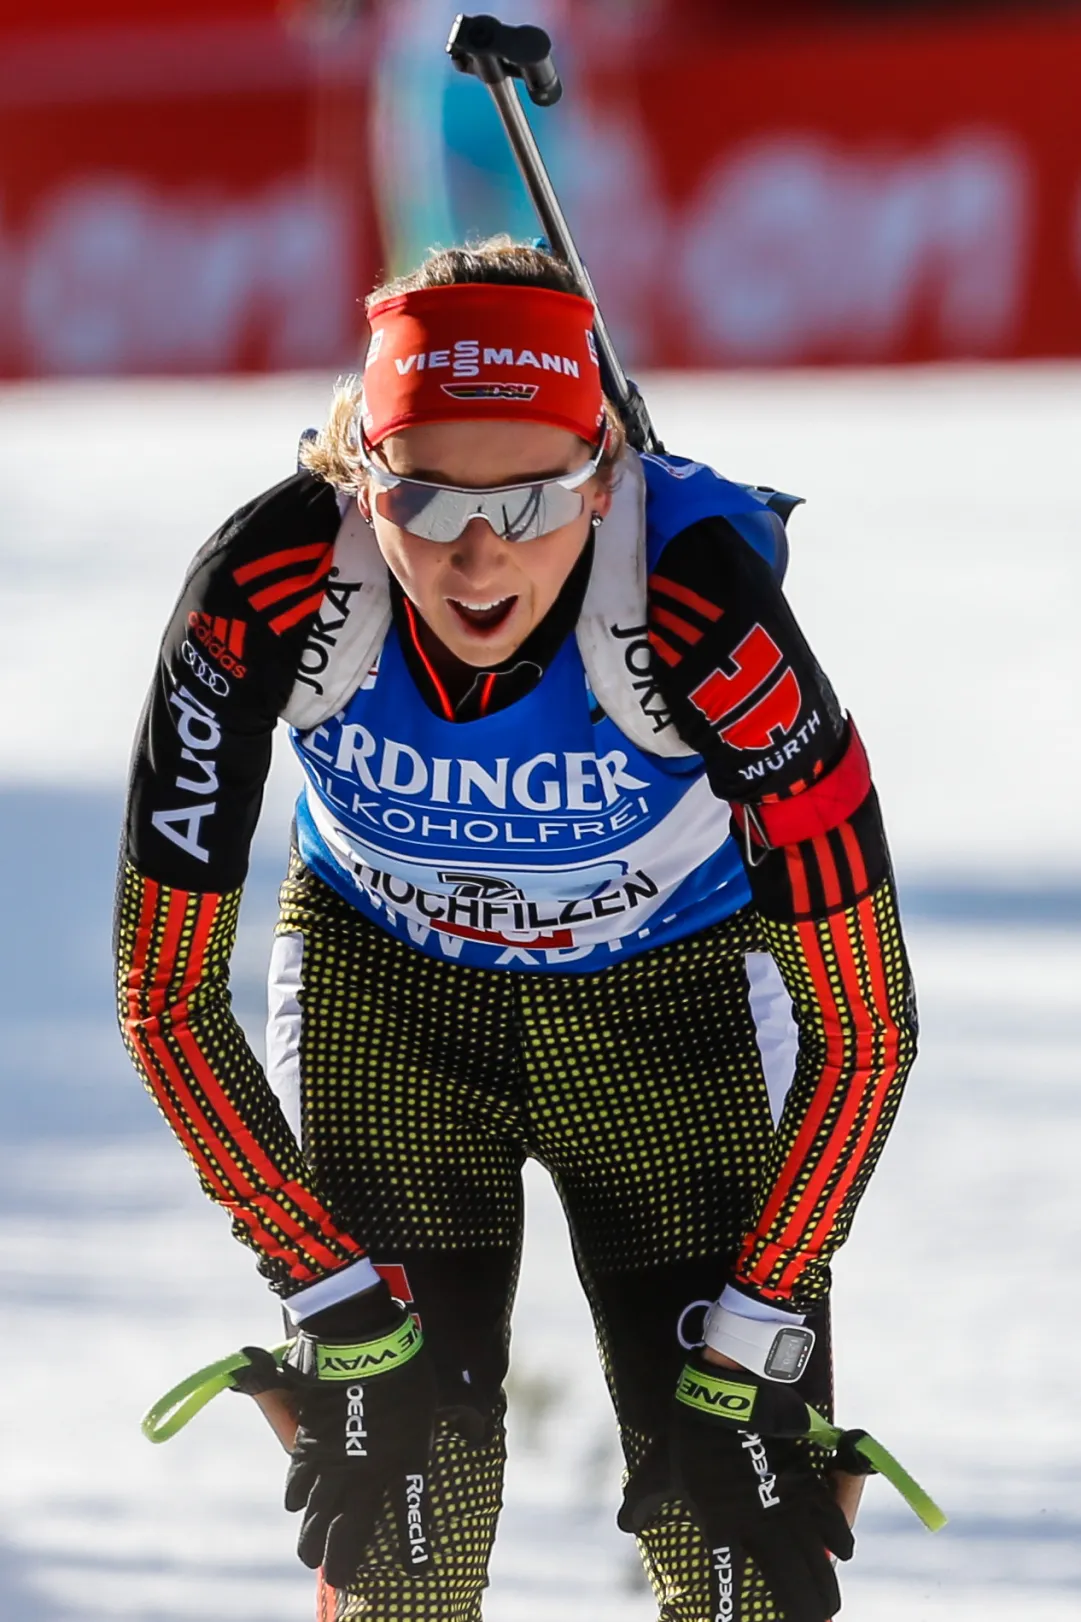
pixel 587 867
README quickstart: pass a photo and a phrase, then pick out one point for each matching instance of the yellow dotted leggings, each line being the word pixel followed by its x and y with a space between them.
pixel 421 1088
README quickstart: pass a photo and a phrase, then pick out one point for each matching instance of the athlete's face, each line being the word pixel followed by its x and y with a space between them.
pixel 481 595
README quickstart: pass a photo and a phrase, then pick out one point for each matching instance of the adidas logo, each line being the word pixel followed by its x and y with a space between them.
pixel 223 640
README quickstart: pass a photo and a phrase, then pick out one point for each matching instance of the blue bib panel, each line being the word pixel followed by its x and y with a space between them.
pixel 540 838
pixel 679 493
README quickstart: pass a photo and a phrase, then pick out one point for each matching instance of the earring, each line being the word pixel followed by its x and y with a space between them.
pixel 595 520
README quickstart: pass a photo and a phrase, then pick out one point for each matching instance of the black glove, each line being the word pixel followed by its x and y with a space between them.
pixel 731 1458
pixel 366 1396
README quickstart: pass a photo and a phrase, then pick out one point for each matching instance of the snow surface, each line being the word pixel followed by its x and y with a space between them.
pixel 935 570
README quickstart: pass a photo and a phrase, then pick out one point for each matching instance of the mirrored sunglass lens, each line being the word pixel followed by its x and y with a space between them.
pixel 536 510
pixel 434 513
pixel 428 511
pixel 520 514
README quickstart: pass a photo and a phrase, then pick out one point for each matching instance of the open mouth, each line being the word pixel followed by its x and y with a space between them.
pixel 483 617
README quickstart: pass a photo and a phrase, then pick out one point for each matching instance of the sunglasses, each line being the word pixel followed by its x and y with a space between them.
pixel 516 512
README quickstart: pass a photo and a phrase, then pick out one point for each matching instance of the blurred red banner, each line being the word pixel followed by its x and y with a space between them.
pixel 187 194
pixel 188 187
pixel 896 192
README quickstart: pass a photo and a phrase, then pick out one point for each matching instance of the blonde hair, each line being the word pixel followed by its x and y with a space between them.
pixel 334 454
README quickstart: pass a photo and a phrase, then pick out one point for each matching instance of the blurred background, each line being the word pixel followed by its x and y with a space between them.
pixel 839 244
pixel 207 185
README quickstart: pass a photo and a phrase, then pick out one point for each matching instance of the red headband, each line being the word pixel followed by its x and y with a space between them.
pixel 474 351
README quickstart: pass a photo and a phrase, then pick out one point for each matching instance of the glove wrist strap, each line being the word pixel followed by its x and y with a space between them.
pixel 720 1395
pixel 330 1360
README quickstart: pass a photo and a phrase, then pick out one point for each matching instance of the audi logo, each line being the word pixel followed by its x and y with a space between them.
pixel 202 671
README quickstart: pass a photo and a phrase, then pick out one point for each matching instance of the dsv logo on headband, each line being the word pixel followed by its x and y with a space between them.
pixel 490 391
pixel 202 671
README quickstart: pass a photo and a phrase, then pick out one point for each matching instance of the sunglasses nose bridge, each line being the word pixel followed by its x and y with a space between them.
pixel 475 535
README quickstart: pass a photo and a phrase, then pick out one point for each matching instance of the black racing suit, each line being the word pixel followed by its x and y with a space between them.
pixel 426 1083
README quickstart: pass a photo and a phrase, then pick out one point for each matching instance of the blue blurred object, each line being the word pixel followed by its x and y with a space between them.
pixel 445 173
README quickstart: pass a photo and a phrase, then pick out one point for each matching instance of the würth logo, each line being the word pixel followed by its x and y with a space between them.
pixel 763 704
pixel 291 576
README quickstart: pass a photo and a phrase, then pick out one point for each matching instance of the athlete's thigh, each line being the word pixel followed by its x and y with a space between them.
pixel 647 1097
pixel 648 1102
pixel 399 1071
pixel 400 1075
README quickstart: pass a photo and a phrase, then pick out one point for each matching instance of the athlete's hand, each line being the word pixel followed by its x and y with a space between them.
pixel 366 1398
pixel 733 1460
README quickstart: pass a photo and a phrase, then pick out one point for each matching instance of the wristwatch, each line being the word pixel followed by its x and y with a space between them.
pixel 778 1351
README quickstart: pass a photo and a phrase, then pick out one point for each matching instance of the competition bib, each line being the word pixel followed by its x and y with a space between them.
pixel 537 838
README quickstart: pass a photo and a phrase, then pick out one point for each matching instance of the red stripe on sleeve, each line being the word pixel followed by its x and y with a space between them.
pixel 195 1127
pixel 664 649
pixel 684 594
pixel 236 1128
pixel 279 560
pixel 268 595
pixel 854 856
pixel 164 969
pixel 143 936
pixel 672 622
pixel 299 1269
pixel 886 1070
pixel 827 867
pixel 187 1115
pixel 253 1152
pixel 293 616
pixel 862 1059
pixel 326 1601
pixel 147 1051
pixel 797 878
pixel 832 1069
pixel 206 911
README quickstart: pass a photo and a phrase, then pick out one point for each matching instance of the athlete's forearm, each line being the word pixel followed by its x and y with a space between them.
pixel 173 949
pixel 747 692
pixel 846 970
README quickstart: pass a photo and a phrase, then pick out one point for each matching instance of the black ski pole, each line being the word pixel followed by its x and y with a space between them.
pixel 495 53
